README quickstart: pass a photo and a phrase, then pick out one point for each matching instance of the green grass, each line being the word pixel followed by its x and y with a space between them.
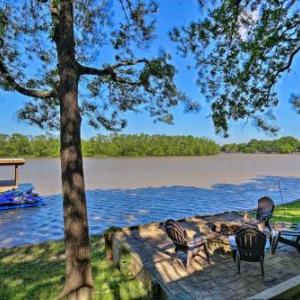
pixel 288 212
pixel 37 272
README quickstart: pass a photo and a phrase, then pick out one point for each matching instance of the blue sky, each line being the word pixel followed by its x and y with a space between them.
pixel 175 13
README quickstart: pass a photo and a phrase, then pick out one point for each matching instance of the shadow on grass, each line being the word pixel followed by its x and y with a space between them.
pixel 32 272
pixel 37 272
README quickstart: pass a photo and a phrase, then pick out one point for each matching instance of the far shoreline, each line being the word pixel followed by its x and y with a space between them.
pixel 163 156
pixel 141 145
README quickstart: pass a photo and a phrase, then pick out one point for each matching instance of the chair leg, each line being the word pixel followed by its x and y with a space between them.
pixel 206 253
pixel 189 256
pixel 271 240
pixel 262 267
pixel 268 225
pixel 175 253
pixel 275 243
pixel 233 254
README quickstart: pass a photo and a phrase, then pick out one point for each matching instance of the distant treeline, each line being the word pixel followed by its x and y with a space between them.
pixel 21 145
pixel 283 145
pixel 114 145
pixel 139 145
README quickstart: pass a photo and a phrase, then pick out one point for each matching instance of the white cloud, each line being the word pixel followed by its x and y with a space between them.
pixel 251 17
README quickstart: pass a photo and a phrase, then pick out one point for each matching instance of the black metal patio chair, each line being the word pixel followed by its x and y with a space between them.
pixel 181 242
pixel 250 247
pixel 289 237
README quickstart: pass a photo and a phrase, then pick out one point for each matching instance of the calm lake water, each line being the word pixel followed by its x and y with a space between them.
pixel 128 191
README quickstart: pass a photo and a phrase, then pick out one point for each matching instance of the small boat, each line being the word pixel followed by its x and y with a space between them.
pixel 18 199
pixel 11 196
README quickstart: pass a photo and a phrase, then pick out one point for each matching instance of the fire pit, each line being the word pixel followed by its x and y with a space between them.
pixel 226 228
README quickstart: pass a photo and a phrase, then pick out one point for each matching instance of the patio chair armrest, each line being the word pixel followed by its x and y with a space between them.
pixel 197 242
pixel 295 227
pixel 289 233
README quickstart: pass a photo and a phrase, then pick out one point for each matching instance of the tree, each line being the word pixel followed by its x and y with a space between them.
pixel 241 49
pixel 50 52
pixel 18 144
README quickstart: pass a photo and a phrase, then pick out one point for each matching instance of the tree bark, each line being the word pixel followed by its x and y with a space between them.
pixel 79 282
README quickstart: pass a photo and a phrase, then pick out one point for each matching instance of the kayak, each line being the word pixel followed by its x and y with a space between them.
pixel 17 199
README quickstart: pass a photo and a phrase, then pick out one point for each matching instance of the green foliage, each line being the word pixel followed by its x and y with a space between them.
pixel 129 80
pixel 283 145
pixel 45 146
pixel 113 145
pixel 241 49
pixel 231 148
pixel 147 145
pixel 3 22
pixel 139 145
pixel 20 145
pixel 37 272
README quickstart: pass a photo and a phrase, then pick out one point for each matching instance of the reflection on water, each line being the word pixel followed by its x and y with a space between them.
pixel 123 207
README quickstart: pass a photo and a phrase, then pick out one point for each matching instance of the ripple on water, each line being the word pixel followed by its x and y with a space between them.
pixel 124 207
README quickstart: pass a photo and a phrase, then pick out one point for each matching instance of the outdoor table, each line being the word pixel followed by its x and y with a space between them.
pixel 286 233
pixel 226 227
pixel 222 231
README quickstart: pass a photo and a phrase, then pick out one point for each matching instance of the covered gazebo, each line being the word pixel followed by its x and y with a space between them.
pixel 9 184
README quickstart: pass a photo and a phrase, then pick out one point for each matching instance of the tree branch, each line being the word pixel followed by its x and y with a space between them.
pixel 281 70
pixel 124 10
pixel 27 92
pixel 55 20
pixel 84 70
pixel 289 63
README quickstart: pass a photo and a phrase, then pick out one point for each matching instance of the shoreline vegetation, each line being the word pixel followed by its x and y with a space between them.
pixel 37 271
pixel 141 145
pixel 109 146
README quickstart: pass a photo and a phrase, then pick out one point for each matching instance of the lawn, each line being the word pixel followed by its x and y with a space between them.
pixel 37 272
pixel 289 212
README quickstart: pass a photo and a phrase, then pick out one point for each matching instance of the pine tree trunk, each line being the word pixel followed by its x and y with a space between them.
pixel 78 270
pixel 79 282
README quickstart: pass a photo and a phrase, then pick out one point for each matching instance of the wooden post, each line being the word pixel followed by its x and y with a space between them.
pixel 108 238
pixel 117 252
pixel 16 176
pixel 112 246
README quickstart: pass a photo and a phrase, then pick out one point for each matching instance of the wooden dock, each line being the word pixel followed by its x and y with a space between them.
pixel 6 185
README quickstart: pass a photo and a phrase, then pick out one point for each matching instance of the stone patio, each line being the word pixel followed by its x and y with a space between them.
pixel 153 262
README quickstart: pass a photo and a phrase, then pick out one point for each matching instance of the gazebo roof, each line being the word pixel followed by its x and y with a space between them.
pixel 11 161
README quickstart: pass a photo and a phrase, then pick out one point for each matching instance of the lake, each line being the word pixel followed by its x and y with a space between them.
pixel 130 191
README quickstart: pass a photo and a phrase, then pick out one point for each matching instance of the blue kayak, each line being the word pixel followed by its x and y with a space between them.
pixel 17 199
